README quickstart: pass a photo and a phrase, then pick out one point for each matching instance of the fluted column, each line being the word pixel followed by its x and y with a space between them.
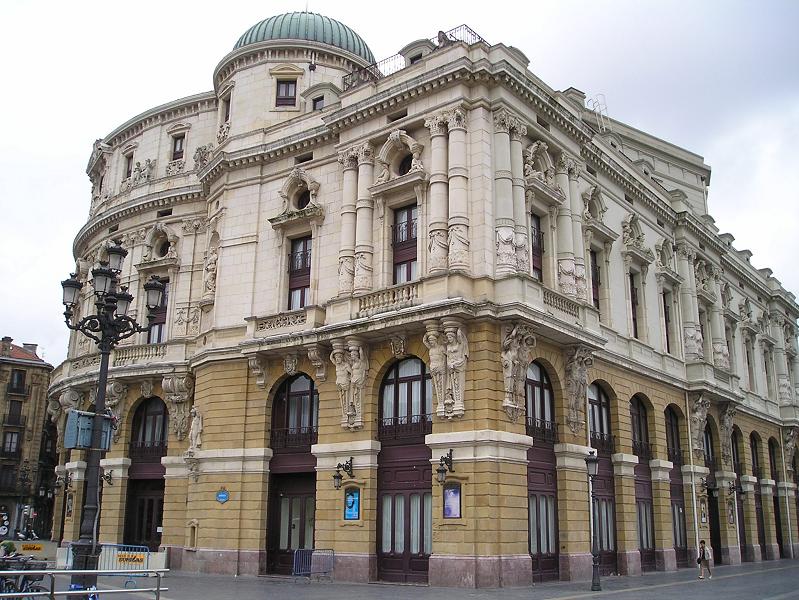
pixel 784 391
pixel 458 237
pixel 576 204
pixel 721 354
pixel 689 307
pixel 349 197
pixel 517 132
pixel 503 194
pixel 363 221
pixel 439 199
pixel 566 279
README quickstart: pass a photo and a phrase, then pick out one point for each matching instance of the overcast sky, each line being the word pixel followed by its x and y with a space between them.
pixel 719 78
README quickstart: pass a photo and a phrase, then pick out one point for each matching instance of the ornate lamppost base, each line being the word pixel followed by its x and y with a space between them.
pixel 84 558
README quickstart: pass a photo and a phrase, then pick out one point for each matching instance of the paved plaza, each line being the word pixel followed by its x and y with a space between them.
pixel 763 581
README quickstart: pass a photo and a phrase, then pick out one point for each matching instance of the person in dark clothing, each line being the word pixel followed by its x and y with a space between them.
pixel 703 560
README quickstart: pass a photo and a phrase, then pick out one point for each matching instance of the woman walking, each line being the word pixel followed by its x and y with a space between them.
pixel 703 561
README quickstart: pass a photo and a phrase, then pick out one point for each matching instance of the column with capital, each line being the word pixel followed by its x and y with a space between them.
pixel 784 391
pixel 349 197
pixel 438 247
pixel 567 283
pixel 458 173
pixel 503 194
pixel 364 248
pixel 689 306
pixel 721 354
pixel 517 132
pixel 576 205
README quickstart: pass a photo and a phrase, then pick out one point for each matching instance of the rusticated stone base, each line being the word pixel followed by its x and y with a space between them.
pixel 576 567
pixel 665 559
pixel 752 553
pixel 480 571
pixel 355 567
pixel 629 562
pixel 216 562
pixel 731 555
pixel 772 552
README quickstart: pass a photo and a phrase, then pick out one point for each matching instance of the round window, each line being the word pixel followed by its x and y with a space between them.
pixel 303 199
pixel 405 165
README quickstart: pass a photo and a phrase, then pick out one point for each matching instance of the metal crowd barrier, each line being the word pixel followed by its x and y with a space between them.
pixel 134 560
pixel 310 562
pixel 52 593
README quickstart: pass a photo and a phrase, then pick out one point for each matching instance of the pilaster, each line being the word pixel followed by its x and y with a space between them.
pixel 628 552
pixel 751 552
pixel 364 248
pixel 438 245
pixel 458 236
pixel 771 551
pixel 665 556
pixel 112 520
pixel 728 515
pixel 567 283
pixel 574 524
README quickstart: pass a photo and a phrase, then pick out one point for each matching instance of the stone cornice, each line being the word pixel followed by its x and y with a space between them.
pixel 693 225
pixel 170 197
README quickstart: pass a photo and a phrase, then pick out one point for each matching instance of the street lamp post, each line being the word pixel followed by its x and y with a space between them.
pixel 592 464
pixel 107 328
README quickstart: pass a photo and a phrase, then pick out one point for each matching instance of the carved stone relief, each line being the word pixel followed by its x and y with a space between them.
pixel 351 361
pixel 258 366
pixel 518 344
pixel 202 156
pixel 178 390
pixel 699 407
pixel 116 394
pixel 290 364
pixel 398 346
pixel 725 432
pixel 578 360
pixel 316 358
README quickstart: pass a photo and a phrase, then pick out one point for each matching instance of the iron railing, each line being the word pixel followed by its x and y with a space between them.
pixel 14 420
pixel 299 261
pixel 542 430
pixel 393 64
pixel 603 442
pixel 151 451
pixel 15 389
pixel 642 449
pixel 293 438
pixel 54 575
pixel 405 427
pixel 403 232
pixel 676 456
pixel 11 452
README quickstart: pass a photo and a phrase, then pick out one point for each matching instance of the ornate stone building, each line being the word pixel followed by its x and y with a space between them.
pixel 27 453
pixel 435 256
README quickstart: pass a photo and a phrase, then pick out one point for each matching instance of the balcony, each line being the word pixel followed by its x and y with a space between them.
pixel 393 298
pixel 603 442
pixel 14 420
pixel 140 354
pixel 642 450
pixel 757 472
pixel 293 439
pixel 676 457
pixel 11 453
pixel 147 452
pixel 542 431
pixel 404 233
pixel 15 389
pixel 399 429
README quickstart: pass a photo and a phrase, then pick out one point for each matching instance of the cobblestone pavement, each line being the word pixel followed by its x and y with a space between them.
pixel 773 580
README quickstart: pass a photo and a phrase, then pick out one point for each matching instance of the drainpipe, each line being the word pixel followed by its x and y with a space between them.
pixel 787 499
pixel 693 481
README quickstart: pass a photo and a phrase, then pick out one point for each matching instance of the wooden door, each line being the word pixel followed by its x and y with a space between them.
pixel 715 528
pixel 144 514
pixel 292 512
pixel 542 512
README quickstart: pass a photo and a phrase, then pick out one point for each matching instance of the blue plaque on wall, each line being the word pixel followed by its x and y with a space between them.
pixel 222 496
pixel 352 504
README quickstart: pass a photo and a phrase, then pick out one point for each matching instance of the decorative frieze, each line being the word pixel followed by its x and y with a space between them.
pixel 194 226
pixel 289 319
pixel 518 345
pixel 175 167
pixel 187 321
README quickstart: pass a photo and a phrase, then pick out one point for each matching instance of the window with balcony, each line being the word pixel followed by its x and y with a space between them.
pixel 754 448
pixel 640 429
pixel 539 401
pixel 772 460
pixel 596 278
pixel 16 385
pixel 11 443
pixel 157 333
pixel 300 273
pixel 536 248
pixel 286 92
pixel 295 415
pixel 128 158
pixel 148 441
pixel 177 146
pixel 406 401
pixel 668 323
pixel 635 306
pixel 673 445
pixel 403 243
pixel 14 417
pixel 599 419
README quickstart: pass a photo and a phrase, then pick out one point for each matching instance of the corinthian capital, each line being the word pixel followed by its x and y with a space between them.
pixel 502 121
pixel 348 158
pixel 456 119
pixel 366 154
pixel 437 124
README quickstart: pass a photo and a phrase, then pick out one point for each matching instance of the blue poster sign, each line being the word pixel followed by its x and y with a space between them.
pixel 352 504
pixel 222 496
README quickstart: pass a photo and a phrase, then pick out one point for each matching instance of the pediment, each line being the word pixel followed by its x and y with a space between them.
pixel 286 69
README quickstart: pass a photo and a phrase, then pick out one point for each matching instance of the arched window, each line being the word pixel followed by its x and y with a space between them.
pixel 599 418
pixel 149 437
pixel 640 428
pixel 295 415
pixel 772 459
pixel 735 441
pixel 707 445
pixel 755 450
pixel 540 404
pixel 406 400
pixel 673 437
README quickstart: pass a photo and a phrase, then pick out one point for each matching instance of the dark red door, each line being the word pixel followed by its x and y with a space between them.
pixel 542 512
pixel 404 513
pixel 292 508
pixel 605 519
pixel 144 513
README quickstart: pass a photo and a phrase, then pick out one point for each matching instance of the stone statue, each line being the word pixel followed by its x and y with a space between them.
pixel 698 422
pixel 457 354
pixel 578 360
pixel 516 355
pixel 116 393
pixel 359 366
pixel 343 378
pixel 791 434
pixel 725 426
pixel 437 365
pixel 209 282
pixel 196 430
pixel 416 162
pixel 384 175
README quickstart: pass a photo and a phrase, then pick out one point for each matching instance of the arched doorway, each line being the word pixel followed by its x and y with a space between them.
pixel 754 448
pixel 404 479
pixel 643 483
pixel 292 476
pixel 676 489
pixel 712 494
pixel 145 497
pixel 604 504
pixel 542 484
pixel 773 450
pixel 736 442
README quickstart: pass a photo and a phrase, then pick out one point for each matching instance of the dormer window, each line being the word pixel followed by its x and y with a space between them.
pixel 415 58
pixel 178 143
pixel 318 103
pixel 286 92
pixel 128 166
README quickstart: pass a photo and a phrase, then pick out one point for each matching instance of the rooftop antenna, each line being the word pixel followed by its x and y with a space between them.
pixel 600 108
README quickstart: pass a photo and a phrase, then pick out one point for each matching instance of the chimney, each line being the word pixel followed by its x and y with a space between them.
pixel 5 346
pixel 30 348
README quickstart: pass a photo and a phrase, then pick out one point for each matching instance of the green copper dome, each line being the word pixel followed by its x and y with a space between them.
pixel 307 26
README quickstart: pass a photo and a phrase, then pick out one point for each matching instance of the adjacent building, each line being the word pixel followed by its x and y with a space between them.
pixel 27 454
pixel 443 282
